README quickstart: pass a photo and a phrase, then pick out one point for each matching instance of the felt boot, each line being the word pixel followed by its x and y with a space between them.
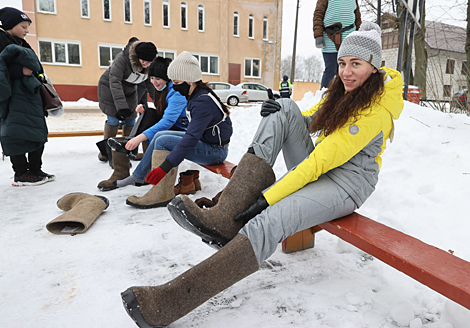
pixel 145 145
pixel 82 210
pixel 186 183
pixel 216 225
pixel 159 306
pixel 126 131
pixel 206 202
pixel 121 166
pixel 162 193
pixel 108 132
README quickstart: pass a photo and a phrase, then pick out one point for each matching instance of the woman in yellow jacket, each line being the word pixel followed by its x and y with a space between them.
pixel 324 181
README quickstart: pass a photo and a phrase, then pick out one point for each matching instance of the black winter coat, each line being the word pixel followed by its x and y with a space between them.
pixel 23 127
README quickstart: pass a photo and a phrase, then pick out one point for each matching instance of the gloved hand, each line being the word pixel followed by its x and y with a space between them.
pixel 320 42
pixel 269 106
pixel 122 114
pixel 155 176
pixel 252 211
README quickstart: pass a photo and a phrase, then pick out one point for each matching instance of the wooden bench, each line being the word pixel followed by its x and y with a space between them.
pixel 439 270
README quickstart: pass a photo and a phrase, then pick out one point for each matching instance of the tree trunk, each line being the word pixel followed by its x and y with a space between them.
pixel 421 56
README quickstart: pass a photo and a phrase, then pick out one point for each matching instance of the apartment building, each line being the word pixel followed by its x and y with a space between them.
pixel 234 40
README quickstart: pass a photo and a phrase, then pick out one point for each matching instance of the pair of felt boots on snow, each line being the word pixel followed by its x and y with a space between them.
pixel 159 306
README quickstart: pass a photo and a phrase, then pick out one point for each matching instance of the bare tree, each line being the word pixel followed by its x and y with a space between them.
pixel 308 69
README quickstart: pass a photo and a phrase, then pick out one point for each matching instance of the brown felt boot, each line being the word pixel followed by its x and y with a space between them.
pixel 108 132
pixel 126 130
pixel 121 166
pixel 216 225
pixel 162 193
pixel 159 306
pixel 82 210
pixel 139 156
pixel 187 183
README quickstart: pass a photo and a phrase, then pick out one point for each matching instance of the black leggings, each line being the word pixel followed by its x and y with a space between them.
pixel 21 165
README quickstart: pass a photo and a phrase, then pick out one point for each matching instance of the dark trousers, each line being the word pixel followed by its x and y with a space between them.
pixel 331 68
pixel 21 164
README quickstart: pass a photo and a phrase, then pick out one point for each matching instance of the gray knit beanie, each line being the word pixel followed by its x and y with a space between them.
pixel 365 43
pixel 185 68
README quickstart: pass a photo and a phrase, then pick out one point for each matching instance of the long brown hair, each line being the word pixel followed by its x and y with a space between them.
pixel 205 86
pixel 339 105
pixel 159 99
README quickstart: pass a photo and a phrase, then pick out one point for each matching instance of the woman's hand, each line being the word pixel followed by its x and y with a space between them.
pixel 27 71
pixel 135 142
pixel 140 108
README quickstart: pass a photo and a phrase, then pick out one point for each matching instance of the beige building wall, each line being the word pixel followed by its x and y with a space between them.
pixel 216 40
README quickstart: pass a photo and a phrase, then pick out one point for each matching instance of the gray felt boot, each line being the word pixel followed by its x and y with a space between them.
pixel 215 225
pixel 159 306
pixel 121 165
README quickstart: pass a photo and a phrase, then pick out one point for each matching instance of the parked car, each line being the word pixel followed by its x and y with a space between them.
pixel 257 92
pixel 459 100
pixel 229 93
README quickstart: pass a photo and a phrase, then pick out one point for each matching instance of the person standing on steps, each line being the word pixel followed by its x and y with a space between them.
pixel 333 20
pixel 123 86
pixel 285 88
pixel 324 181
pixel 22 118
pixel 205 141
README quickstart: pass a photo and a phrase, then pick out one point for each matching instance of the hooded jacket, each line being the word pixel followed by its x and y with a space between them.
pixel 124 84
pixel 23 127
pixel 351 155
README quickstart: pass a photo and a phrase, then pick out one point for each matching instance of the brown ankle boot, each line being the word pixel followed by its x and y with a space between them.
pixel 186 184
pixel 159 306
pixel 197 183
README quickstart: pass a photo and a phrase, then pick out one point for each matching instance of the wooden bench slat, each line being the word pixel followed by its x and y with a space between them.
pixel 433 267
pixel 224 169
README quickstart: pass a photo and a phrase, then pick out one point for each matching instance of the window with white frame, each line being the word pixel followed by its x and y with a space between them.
pixel 209 64
pixel 46 6
pixel 85 8
pixel 252 67
pixel 107 10
pixel 128 11
pixel 166 53
pixel 184 16
pixel 251 22
pixel 166 14
pixel 147 13
pixel 201 18
pixel 265 28
pixel 107 53
pixel 59 52
pixel 235 24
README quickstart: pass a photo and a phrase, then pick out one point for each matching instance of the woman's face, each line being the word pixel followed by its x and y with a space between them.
pixel 354 71
pixel 20 30
pixel 157 82
pixel 144 63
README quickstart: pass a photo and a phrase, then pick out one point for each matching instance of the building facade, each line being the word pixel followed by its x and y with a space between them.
pixel 76 40
pixel 447 63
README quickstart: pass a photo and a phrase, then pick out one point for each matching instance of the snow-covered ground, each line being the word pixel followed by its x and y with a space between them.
pixel 49 280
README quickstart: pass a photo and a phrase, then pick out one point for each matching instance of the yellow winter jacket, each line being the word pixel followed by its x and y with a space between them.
pixel 350 156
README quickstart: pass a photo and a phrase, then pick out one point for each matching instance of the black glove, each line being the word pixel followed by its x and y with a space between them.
pixel 252 211
pixel 122 114
pixel 269 106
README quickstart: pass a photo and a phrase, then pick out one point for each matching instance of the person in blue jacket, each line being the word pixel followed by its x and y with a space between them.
pixel 169 114
pixel 205 141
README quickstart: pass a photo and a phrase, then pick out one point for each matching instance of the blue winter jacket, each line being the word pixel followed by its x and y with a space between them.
pixel 204 114
pixel 174 114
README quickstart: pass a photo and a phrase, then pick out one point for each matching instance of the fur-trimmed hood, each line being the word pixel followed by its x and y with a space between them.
pixel 135 63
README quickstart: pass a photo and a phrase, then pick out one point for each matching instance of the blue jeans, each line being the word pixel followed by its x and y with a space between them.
pixel 115 122
pixel 203 153
pixel 331 68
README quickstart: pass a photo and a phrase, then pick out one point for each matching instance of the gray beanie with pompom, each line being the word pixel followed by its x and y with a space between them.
pixel 366 43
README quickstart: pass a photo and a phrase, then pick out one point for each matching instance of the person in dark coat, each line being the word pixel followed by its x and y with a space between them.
pixel 23 128
pixel 124 85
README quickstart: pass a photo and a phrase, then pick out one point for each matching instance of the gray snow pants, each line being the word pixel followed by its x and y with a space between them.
pixel 318 202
